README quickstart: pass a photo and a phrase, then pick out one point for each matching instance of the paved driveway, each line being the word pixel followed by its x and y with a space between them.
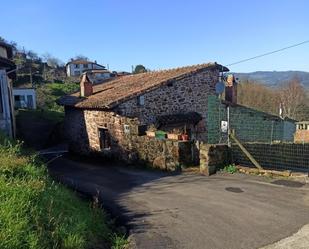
pixel 190 211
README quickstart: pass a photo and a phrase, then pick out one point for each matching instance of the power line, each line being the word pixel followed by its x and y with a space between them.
pixel 272 52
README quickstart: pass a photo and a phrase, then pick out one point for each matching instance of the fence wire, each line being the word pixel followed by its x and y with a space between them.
pixel 268 138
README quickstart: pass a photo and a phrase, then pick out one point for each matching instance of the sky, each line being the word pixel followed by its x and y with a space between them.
pixel 163 34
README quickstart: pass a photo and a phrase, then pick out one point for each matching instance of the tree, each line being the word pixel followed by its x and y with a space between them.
pixel 292 98
pixel 258 96
pixel 81 57
pixel 52 61
pixel 139 69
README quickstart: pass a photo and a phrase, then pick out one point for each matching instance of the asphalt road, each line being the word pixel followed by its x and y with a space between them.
pixel 164 210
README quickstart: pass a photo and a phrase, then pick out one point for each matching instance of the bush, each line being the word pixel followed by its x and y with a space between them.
pixel 230 169
pixel 47 94
pixel 36 212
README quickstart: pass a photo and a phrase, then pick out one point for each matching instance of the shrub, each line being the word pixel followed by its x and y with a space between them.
pixel 231 168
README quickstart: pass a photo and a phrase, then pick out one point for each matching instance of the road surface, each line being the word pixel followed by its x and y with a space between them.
pixel 165 210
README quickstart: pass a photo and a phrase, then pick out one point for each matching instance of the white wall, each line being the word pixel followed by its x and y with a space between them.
pixel 71 69
pixel 25 92
pixel 3 52
pixel 6 118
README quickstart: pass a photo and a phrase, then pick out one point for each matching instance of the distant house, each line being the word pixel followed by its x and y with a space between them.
pixel 24 98
pixel 302 132
pixel 7 72
pixel 121 73
pixel 75 68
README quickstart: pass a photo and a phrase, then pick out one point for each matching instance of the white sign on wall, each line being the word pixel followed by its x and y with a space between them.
pixel 126 129
pixel 224 126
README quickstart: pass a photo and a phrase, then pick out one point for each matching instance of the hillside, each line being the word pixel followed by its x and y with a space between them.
pixel 275 78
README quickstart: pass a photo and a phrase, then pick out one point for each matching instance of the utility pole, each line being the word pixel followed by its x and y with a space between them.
pixel 31 80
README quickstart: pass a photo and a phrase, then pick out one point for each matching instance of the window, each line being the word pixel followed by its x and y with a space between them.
pixel 105 140
pixel 141 100
pixel 77 73
pixel 29 101
pixel 76 65
pixel 85 65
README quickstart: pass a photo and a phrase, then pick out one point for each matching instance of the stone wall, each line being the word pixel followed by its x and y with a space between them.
pixel 82 130
pixel 212 157
pixel 82 133
pixel 301 136
pixel 162 154
pixel 189 94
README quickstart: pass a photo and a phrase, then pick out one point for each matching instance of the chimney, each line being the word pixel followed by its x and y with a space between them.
pixel 86 88
pixel 231 89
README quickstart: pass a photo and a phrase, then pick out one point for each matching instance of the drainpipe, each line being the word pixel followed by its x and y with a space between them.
pixel 228 127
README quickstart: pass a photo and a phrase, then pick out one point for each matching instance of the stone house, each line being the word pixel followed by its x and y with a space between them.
pixel 111 118
pixel 302 132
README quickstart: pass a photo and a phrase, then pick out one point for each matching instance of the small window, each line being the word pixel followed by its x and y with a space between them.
pixel 85 65
pixel 76 65
pixel 105 140
pixel 141 100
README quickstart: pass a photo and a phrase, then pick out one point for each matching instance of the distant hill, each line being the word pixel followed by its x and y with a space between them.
pixel 275 78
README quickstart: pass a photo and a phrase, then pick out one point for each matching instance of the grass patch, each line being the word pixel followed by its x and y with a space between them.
pixel 231 168
pixel 47 94
pixel 55 116
pixel 36 212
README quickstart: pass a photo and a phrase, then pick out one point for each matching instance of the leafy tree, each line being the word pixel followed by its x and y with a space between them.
pixel 139 69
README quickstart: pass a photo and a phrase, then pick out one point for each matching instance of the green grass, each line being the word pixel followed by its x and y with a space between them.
pixel 56 116
pixel 47 94
pixel 37 213
pixel 231 168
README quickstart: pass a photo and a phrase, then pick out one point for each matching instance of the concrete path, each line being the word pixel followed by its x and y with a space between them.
pixel 190 211
pixel 299 240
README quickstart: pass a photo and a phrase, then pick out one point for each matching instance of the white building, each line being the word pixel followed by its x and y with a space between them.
pixel 75 68
pixel 24 98
pixel 7 71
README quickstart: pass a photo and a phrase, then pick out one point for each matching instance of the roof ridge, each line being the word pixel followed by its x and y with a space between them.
pixel 120 89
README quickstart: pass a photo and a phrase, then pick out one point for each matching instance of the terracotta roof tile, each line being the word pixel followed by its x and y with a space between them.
pixel 112 93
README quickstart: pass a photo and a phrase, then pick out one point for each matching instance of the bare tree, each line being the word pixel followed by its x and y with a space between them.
pixel 52 61
pixel 292 98
pixel 258 96
pixel 81 57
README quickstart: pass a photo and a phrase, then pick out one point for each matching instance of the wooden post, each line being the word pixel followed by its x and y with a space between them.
pixel 245 151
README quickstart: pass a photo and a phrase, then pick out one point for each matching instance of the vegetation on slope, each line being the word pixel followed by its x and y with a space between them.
pixel 36 212
pixel 48 93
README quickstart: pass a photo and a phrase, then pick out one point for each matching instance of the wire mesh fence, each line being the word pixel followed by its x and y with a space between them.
pixel 268 138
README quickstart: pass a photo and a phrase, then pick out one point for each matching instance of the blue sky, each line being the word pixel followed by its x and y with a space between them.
pixel 163 34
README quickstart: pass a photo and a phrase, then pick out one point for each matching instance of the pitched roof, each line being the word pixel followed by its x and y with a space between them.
pixel 114 92
pixel 82 61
